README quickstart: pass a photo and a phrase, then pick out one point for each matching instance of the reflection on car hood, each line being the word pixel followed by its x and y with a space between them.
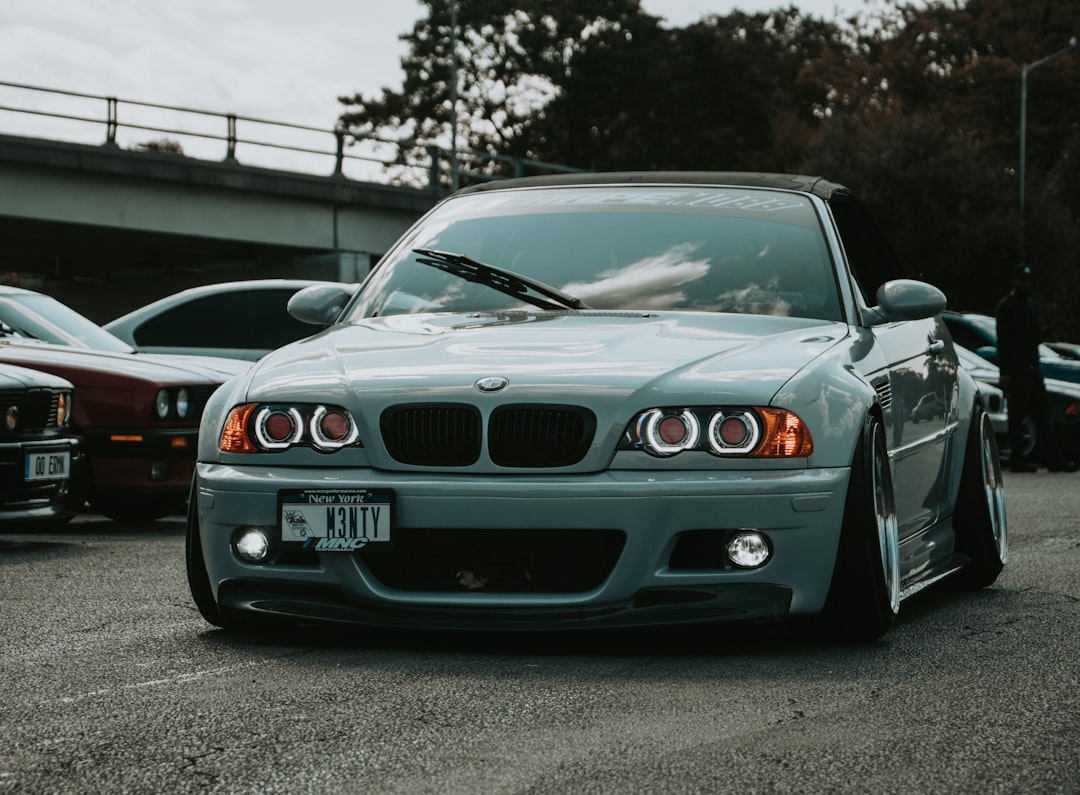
pixel 548 355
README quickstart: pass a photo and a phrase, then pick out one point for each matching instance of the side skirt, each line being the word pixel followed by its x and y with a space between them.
pixel 910 590
pixel 922 563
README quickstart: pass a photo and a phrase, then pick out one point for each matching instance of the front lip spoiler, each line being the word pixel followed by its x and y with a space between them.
pixel 745 602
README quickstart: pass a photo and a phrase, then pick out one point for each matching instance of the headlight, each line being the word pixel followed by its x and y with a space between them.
pixel 332 429
pixel 162 403
pixel 256 428
pixel 177 403
pixel 670 432
pixel 183 405
pixel 735 432
pixel 756 432
pixel 276 429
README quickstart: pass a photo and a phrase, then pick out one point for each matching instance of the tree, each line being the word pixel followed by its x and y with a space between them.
pixel 722 94
pixel 166 146
pixel 511 59
pixel 600 85
pixel 927 120
pixel 945 215
pixel 915 107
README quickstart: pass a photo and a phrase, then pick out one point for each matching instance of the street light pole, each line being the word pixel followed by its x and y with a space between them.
pixel 455 178
pixel 1023 120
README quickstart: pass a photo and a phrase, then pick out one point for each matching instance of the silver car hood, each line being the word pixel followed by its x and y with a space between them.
pixel 546 356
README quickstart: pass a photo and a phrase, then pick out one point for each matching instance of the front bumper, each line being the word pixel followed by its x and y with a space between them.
pixel 141 463
pixel 29 501
pixel 663 571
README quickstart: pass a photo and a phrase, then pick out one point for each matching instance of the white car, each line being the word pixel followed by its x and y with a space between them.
pixel 240 320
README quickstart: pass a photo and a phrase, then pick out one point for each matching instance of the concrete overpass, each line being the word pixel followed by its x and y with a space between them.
pixel 106 229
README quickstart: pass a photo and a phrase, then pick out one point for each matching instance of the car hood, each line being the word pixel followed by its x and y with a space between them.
pixel 12 377
pixel 222 367
pixel 655 356
pixel 151 367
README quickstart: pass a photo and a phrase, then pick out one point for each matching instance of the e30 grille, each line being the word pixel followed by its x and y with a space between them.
pixel 37 408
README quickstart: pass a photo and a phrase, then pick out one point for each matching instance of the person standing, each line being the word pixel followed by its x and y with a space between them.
pixel 1019 333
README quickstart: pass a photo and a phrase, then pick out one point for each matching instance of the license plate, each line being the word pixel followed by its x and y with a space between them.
pixel 336 518
pixel 48 466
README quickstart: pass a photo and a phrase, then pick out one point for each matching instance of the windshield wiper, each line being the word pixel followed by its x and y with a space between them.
pixel 512 284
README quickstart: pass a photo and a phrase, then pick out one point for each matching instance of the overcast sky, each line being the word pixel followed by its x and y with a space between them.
pixel 281 60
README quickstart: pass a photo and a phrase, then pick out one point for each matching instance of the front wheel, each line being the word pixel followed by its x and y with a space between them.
pixel 198 578
pixel 864 596
pixel 979 520
pixel 199 583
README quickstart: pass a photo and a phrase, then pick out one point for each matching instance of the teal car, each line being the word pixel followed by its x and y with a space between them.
pixel 979 333
pixel 598 401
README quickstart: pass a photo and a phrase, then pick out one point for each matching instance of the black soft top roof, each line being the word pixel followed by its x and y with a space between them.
pixel 797 182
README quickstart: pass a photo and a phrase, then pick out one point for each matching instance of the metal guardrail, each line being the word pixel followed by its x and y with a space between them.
pixel 394 161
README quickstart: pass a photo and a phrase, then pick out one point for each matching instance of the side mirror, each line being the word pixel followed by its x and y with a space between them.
pixel 320 304
pixel 906 299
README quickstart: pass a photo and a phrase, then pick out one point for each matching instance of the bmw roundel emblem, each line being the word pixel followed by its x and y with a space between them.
pixel 493 383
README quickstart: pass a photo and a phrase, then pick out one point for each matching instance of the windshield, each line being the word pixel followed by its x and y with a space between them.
pixel 617 248
pixel 41 317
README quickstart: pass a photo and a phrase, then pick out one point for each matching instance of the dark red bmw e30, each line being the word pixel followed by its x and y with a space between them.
pixel 137 414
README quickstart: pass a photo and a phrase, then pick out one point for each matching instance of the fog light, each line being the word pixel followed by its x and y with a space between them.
pixel 252 545
pixel 748 549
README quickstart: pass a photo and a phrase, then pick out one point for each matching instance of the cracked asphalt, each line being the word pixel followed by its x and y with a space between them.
pixel 111 682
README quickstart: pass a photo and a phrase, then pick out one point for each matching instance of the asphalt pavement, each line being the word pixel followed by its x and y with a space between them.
pixel 112 682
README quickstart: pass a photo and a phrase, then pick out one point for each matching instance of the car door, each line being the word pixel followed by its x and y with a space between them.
pixel 921 363
pixel 919 360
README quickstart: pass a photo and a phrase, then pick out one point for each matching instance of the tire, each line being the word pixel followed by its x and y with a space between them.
pixel 199 584
pixel 864 595
pixel 198 578
pixel 979 519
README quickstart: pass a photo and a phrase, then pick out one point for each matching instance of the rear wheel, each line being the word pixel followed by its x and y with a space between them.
pixel 864 596
pixel 979 519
